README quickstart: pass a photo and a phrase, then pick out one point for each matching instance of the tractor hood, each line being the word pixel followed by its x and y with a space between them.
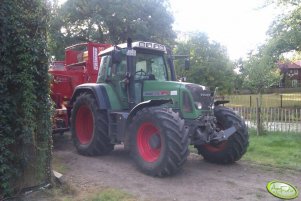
pixel 202 96
pixel 162 90
pixel 199 95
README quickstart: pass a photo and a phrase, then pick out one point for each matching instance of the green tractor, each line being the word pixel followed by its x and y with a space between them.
pixel 137 102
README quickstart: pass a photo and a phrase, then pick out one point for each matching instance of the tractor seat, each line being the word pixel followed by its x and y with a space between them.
pixel 151 77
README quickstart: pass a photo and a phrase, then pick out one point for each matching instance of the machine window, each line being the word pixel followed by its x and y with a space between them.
pixel 150 64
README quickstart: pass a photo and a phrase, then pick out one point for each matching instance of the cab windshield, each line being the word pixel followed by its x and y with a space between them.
pixel 150 65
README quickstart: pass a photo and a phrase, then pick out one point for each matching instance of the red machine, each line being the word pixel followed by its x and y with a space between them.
pixel 80 66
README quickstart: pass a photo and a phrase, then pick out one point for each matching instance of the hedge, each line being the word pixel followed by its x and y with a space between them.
pixel 25 125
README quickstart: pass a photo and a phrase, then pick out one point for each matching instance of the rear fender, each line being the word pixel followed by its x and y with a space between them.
pixel 97 90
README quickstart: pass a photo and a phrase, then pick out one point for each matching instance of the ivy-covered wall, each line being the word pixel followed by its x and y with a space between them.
pixel 25 126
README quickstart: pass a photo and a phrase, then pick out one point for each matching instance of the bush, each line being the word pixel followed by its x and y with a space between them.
pixel 25 126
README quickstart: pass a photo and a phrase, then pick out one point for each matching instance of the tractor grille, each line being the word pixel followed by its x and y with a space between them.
pixel 201 95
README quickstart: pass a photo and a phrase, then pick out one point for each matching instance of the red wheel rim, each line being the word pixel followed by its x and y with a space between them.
pixel 216 148
pixel 84 125
pixel 149 142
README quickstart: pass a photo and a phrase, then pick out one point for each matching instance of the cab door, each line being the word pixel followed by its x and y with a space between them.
pixel 119 82
pixel 114 75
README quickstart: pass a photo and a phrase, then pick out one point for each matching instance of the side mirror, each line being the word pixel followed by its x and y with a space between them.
pixel 116 56
pixel 187 64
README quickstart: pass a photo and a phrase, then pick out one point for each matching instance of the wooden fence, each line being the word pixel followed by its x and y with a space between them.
pixel 273 119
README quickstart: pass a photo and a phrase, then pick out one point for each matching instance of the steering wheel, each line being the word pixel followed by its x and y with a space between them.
pixel 142 73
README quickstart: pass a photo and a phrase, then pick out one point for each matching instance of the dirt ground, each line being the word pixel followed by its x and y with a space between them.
pixel 198 180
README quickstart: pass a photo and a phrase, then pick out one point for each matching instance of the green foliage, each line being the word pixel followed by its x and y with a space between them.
pixel 284 2
pixel 103 21
pixel 285 32
pixel 260 69
pixel 259 72
pixel 210 65
pixel 276 149
pixel 24 92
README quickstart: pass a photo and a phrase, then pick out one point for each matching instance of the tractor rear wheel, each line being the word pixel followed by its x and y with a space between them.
pixel 159 141
pixel 232 149
pixel 89 127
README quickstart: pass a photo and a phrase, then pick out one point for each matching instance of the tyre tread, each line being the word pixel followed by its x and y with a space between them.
pixel 100 144
pixel 237 143
pixel 176 136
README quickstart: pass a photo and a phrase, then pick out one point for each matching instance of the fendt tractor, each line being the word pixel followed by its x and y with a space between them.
pixel 136 101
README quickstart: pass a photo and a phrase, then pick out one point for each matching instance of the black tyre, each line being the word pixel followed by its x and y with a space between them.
pixel 89 127
pixel 232 149
pixel 159 141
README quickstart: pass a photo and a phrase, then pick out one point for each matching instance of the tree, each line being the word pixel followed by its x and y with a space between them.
pixel 239 75
pixel 284 36
pixel 210 65
pixel 25 126
pixel 260 73
pixel 285 31
pixel 103 21
pixel 260 70
pixel 284 2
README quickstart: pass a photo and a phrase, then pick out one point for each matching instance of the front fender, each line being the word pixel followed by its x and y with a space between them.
pixel 220 102
pixel 149 103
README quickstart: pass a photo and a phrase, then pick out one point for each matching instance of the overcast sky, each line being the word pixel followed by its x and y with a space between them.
pixel 237 24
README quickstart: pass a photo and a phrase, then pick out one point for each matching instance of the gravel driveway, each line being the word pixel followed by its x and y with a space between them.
pixel 198 180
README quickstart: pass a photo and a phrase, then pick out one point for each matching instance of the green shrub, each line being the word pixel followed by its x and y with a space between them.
pixel 25 127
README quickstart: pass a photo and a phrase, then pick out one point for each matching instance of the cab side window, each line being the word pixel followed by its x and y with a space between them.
pixel 119 70
pixel 104 68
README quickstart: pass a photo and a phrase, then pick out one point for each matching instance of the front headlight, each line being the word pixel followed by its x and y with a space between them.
pixel 198 105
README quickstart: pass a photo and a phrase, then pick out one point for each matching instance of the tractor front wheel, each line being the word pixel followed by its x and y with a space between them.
pixel 159 141
pixel 232 149
pixel 89 127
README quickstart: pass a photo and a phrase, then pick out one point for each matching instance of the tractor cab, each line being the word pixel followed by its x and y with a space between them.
pixel 131 70
pixel 150 62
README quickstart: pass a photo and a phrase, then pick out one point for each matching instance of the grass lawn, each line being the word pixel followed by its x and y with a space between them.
pixel 67 192
pixel 268 100
pixel 112 195
pixel 275 149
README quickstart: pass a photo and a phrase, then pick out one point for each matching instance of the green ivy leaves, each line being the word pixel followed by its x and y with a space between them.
pixel 25 126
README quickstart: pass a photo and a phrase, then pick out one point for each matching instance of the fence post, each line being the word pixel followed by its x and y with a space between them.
pixel 250 101
pixel 281 100
pixel 258 126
